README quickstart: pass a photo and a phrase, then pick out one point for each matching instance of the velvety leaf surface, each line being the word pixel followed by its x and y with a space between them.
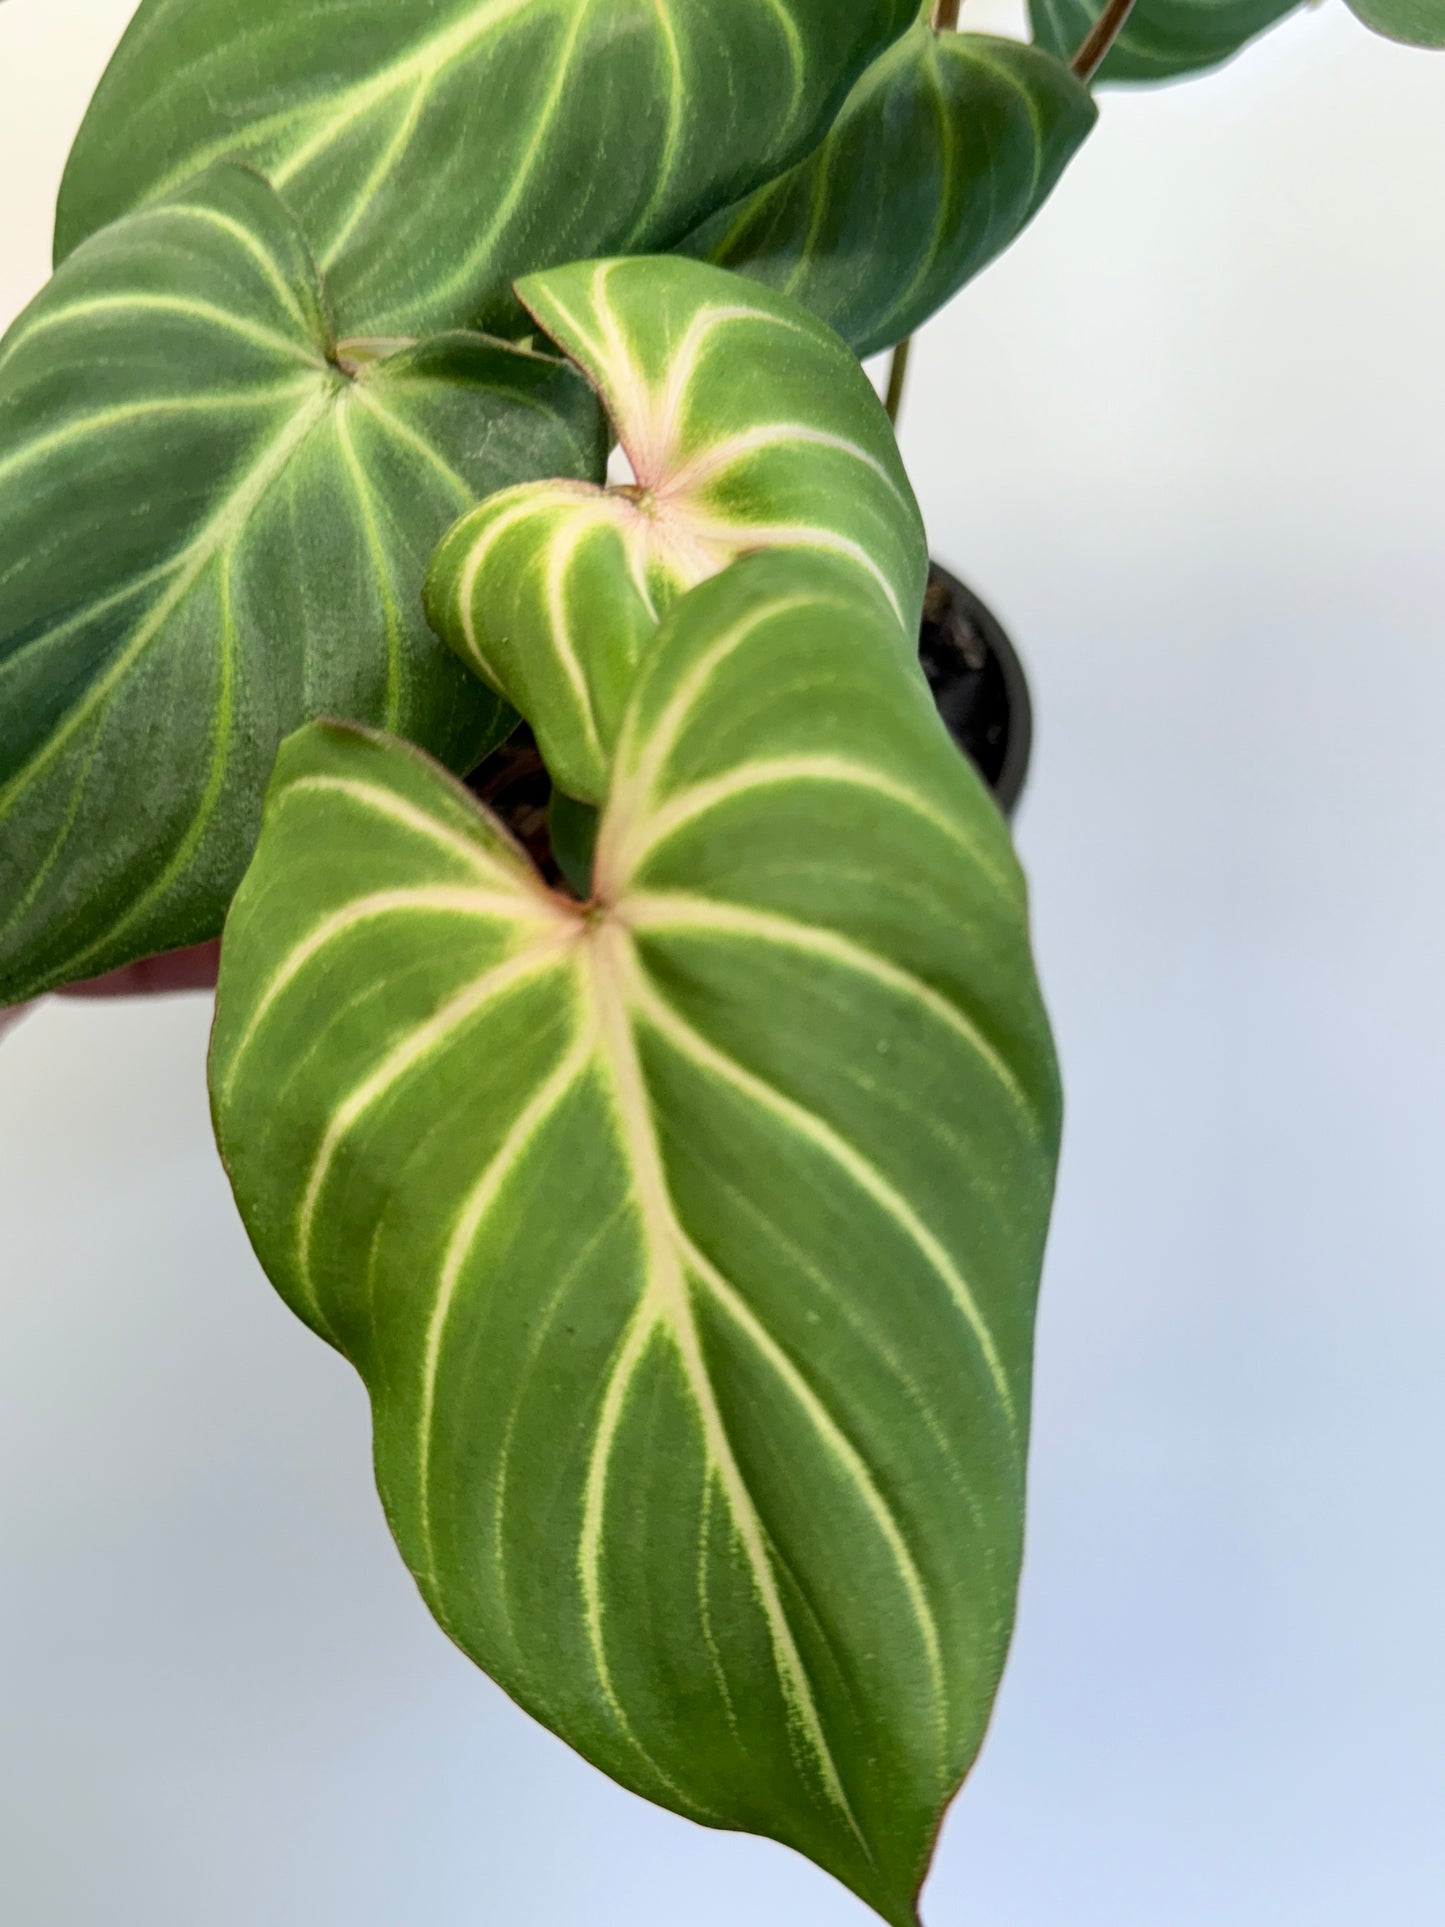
pixel 687 1241
pixel 1161 38
pixel 208 533
pixel 1420 23
pixel 748 425
pixel 945 151
pixel 436 149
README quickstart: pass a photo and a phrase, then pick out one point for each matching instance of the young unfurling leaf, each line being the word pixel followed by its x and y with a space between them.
pixel 748 426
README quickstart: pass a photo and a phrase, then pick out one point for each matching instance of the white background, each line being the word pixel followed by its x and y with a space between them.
pixel 1190 439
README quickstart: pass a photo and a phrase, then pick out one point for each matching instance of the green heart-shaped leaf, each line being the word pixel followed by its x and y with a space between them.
pixel 687 1241
pixel 945 151
pixel 1161 38
pixel 748 426
pixel 435 149
pixel 1419 23
pixel 211 532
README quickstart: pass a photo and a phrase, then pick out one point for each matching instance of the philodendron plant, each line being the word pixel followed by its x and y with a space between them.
pixel 680 1201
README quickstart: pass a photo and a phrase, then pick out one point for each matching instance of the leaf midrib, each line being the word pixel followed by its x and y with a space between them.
pixel 666 1302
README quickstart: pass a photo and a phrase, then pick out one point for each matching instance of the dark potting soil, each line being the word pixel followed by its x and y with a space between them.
pixel 514 784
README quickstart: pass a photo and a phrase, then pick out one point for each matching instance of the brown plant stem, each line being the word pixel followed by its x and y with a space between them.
pixel 1106 30
pixel 897 379
pixel 945 19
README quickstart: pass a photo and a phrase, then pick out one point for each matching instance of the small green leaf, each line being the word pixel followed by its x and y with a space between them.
pixel 945 151
pixel 687 1241
pixel 436 149
pixel 1419 23
pixel 748 426
pixel 211 532
pixel 1161 38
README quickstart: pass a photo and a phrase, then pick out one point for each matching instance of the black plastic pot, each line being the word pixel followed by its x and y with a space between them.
pixel 977 682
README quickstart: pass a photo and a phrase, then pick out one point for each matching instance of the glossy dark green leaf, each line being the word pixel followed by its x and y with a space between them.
pixel 436 149
pixel 945 151
pixel 1161 38
pixel 209 532
pixel 687 1240
pixel 1419 23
